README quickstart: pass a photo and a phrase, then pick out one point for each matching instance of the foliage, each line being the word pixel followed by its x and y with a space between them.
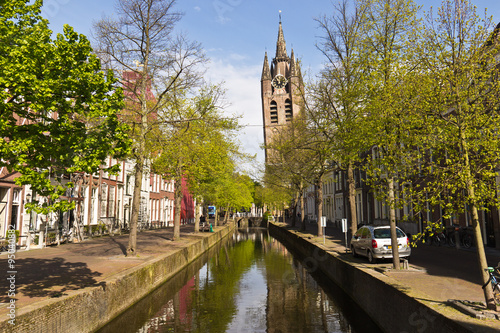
pixel 200 150
pixel 461 106
pixel 154 64
pixel 386 34
pixel 340 95
pixel 58 110
pixel 461 99
pixel 232 191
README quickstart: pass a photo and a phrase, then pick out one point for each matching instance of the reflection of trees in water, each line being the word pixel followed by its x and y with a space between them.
pixel 217 288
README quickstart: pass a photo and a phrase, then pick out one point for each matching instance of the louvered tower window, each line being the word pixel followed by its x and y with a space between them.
pixel 274 113
pixel 288 110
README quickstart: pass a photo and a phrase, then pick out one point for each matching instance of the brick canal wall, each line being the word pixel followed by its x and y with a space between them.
pixel 93 307
pixel 389 306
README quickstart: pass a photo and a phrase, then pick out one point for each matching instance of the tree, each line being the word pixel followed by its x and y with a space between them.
pixel 290 170
pixel 197 150
pixel 153 63
pixel 386 32
pixel 232 192
pixel 59 109
pixel 340 94
pixel 322 158
pixel 462 99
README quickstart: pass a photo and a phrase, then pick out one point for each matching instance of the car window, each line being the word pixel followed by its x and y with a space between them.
pixel 366 233
pixel 358 233
pixel 382 233
pixel 386 233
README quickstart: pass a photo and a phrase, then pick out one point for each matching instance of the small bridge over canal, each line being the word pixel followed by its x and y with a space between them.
pixel 250 222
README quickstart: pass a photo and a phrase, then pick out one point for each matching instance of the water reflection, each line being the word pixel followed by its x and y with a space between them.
pixel 250 283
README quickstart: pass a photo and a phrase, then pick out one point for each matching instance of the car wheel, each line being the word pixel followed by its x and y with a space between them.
pixel 354 254
pixel 371 259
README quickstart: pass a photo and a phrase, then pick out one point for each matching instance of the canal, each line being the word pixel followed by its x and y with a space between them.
pixel 248 283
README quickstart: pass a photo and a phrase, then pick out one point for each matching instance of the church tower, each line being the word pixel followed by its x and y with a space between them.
pixel 281 87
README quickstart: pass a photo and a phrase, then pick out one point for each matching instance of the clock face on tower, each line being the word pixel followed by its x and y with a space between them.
pixel 279 82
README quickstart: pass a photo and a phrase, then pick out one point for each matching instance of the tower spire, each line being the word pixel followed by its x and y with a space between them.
pixel 281 45
pixel 266 73
pixel 292 64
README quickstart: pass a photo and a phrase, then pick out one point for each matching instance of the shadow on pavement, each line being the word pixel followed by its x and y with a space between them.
pixel 51 277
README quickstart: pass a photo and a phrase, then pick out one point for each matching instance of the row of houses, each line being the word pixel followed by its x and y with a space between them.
pixel 369 210
pixel 102 201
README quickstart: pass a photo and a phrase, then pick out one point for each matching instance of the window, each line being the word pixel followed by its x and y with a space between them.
pixel 128 185
pixel 111 206
pixel 274 113
pixel 386 233
pixel 104 199
pixel 288 110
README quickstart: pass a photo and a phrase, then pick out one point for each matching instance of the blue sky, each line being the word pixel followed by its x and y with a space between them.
pixel 235 35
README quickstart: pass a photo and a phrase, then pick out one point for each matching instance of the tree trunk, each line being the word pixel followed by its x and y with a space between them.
pixel 319 204
pixel 197 218
pixel 139 165
pixel 481 256
pixel 392 223
pixel 226 215
pixel 216 217
pixel 177 206
pixel 295 203
pixel 302 215
pixel 136 205
pixel 351 184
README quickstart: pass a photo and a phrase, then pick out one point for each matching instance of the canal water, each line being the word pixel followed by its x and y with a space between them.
pixel 248 283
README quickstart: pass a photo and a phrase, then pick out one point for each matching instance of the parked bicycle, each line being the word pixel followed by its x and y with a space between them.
pixel 67 235
pixel 464 236
pixel 436 237
pixel 494 279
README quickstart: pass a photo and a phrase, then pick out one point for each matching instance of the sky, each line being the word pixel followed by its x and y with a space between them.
pixel 235 35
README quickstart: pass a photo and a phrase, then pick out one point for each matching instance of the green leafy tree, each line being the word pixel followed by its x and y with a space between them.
pixel 302 141
pixel 153 64
pixel 340 94
pixel 59 109
pixel 459 56
pixel 291 171
pixel 386 33
pixel 233 192
pixel 196 150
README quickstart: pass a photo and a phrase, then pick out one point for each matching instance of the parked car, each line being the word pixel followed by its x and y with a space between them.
pixel 374 242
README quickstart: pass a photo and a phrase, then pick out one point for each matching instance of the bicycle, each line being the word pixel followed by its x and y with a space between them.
pixel 465 238
pixel 494 278
pixel 435 237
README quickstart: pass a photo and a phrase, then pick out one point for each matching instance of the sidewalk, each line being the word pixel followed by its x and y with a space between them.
pixel 436 275
pixel 56 271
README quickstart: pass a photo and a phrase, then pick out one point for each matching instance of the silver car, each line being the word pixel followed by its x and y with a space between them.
pixel 374 242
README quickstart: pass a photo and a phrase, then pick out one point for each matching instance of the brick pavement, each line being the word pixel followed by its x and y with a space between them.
pixel 57 271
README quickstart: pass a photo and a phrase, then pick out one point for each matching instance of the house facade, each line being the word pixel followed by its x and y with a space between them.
pixel 370 210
